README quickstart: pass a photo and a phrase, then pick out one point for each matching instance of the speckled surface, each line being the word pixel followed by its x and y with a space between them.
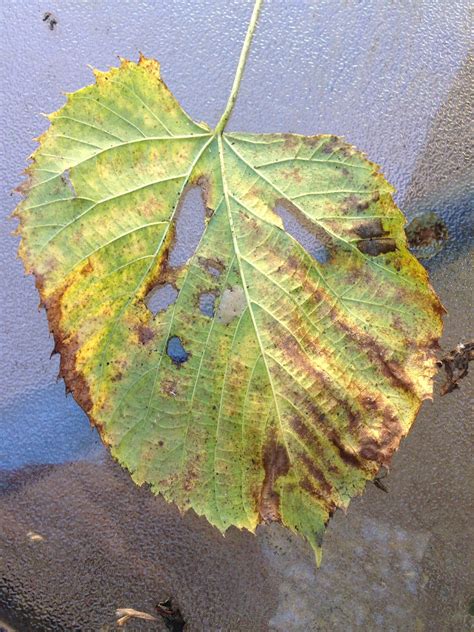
pixel 393 78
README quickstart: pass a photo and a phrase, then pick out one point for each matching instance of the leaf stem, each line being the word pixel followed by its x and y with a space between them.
pixel 240 69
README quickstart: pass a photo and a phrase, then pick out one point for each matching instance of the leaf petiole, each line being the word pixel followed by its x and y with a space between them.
pixel 240 68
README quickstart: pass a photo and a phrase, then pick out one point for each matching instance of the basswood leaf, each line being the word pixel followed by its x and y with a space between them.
pixel 285 394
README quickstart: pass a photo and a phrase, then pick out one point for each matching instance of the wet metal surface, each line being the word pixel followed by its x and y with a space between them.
pixel 393 79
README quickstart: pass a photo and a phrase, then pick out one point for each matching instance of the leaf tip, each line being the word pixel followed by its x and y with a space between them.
pixel 318 555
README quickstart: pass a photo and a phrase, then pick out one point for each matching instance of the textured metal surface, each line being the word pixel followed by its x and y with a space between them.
pixel 393 78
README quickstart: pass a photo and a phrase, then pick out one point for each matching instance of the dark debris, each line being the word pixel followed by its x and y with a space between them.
pixel 456 365
pixel 49 18
pixel 171 616
pixel 426 235
pixel 377 481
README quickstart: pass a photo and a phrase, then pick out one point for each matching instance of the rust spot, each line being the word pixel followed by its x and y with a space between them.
pixel 145 334
pixel 87 269
pixel 276 463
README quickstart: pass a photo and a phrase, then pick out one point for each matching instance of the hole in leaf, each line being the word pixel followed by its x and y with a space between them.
pixel 66 178
pixel 189 226
pixel 213 266
pixel 206 303
pixel 160 298
pixel 299 227
pixel 176 351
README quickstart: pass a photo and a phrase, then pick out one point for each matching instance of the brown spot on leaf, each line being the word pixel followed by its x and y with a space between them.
pixel 151 207
pixel 291 141
pixel 313 141
pixel 380 448
pixel 145 334
pixel 375 247
pixel 389 367
pixel 169 387
pixel 205 184
pixel 212 265
pixel 87 269
pixel 67 347
pixel 276 463
pixel 332 145
pixel 316 474
pixel 308 486
pixel 295 174
pixel 349 457
pixel 371 229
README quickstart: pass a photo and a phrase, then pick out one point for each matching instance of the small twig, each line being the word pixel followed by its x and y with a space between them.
pixel 377 481
pixel 125 614
pixel 456 365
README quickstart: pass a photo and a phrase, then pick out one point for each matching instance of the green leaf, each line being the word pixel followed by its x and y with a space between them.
pixel 286 399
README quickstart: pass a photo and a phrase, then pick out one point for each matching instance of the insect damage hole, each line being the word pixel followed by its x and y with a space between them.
pixel 189 226
pixel 206 303
pixel 176 351
pixel 299 227
pixel 66 178
pixel 160 298
pixel 188 229
pixel 213 266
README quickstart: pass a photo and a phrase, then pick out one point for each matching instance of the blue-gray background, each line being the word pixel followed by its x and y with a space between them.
pixel 393 79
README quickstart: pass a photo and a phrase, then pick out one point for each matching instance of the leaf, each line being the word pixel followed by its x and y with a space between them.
pixel 281 404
